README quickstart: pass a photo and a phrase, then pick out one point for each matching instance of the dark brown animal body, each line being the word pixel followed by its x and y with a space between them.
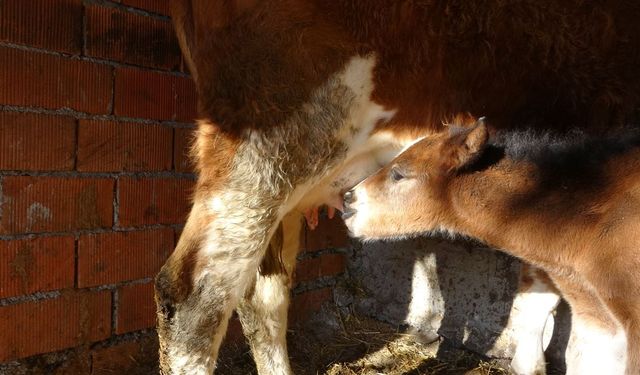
pixel 573 210
pixel 299 100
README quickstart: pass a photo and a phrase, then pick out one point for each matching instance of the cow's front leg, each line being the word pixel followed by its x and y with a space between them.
pixel 237 207
pixel 202 282
pixel 248 180
pixel 263 310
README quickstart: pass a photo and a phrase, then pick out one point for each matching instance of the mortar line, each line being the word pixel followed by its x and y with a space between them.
pixel 114 311
pixel 116 204
pixel 95 60
pixel 112 175
pixel 85 232
pixel 319 283
pixel 99 117
pixel 40 296
pixel 128 8
pixel 318 253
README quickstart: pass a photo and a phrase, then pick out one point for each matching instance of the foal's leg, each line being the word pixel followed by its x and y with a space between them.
pixel 536 300
pixel 621 296
pixel 263 310
pixel 627 315
pixel 628 334
pixel 596 344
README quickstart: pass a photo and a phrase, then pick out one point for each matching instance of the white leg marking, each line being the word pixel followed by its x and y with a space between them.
pixel 593 350
pixel 365 153
pixel 425 299
pixel 532 317
pixel 271 300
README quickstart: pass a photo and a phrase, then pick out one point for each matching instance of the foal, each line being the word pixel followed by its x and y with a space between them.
pixel 571 209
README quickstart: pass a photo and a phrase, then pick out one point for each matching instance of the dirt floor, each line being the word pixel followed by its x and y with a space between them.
pixel 346 344
pixel 330 343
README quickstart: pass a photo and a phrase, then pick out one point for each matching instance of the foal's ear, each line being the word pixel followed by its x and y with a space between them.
pixel 469 144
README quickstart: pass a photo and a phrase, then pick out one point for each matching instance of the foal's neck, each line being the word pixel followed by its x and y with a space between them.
pixel 507 207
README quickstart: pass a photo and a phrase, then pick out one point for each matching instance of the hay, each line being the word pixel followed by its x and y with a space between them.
pixel 347 344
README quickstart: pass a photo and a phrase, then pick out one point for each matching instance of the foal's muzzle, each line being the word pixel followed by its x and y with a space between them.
pixel 348 198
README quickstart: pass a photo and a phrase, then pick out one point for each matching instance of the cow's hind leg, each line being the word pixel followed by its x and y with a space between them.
pixel 263 310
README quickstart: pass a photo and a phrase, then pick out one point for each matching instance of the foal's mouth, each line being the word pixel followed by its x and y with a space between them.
pixel 348 212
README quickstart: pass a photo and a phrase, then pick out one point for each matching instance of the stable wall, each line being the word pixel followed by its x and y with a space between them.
pixel 96 114
pixel 459 290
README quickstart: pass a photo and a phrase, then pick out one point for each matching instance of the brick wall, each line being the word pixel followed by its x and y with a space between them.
pixel 96 112
pixel 321 261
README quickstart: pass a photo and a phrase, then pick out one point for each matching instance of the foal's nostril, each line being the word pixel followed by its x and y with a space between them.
pixel 349 197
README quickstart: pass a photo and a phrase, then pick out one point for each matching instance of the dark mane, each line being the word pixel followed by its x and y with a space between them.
pixel 571 163
pixel 568 150
pixel 574 159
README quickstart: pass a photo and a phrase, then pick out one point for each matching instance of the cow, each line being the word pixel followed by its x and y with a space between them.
pixel 299 100
pixel 570 208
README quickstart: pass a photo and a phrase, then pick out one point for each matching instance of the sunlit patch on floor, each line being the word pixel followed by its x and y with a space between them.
pixel 334 343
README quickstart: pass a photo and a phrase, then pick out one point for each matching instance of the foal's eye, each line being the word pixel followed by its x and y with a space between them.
pixel 396 175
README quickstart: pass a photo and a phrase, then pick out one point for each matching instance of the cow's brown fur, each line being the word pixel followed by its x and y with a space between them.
pixel 259 64
pixel 581 226
pixel 526 60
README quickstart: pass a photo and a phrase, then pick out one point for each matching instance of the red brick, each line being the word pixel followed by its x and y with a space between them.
pixel 330 233
pixel 54 324
pixel 53 24
pixel 72 362
pixel 110 258
pixel 182 144
pixel 36 265
pixel 108 146
pixel 156 6
pixel 325 265
pixel 154 95
pixel 234 331
pixel 153 200
pixel 55 204
pixel 132 38
pixel 144 94
pixel 186 99
pixel 176 236
pixel 136 308
pixel 306 303
pixel 36 142
pixel 135 357
pixel 41 80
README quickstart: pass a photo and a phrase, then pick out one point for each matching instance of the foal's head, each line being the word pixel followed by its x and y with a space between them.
pixel 409 195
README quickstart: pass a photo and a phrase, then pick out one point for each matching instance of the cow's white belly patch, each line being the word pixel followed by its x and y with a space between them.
pixel 366 151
